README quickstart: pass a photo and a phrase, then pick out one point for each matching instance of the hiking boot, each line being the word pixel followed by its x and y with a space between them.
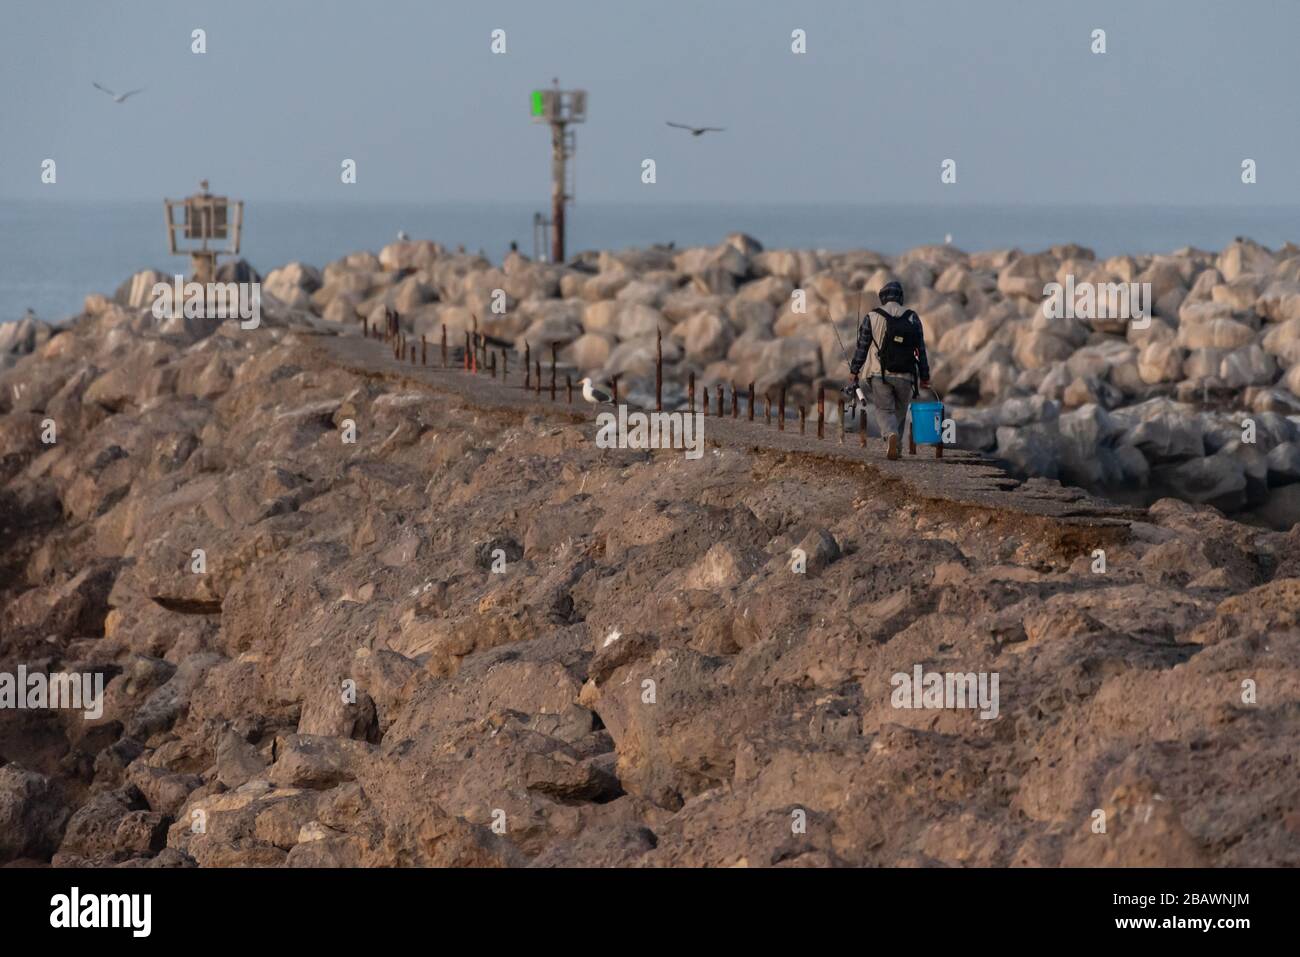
pixel 891 445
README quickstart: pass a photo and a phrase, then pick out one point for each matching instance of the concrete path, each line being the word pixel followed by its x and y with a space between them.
pixel 960 478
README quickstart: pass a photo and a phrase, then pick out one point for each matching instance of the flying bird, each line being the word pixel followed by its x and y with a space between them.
pixel 590 394
pixel 117 97
pixel 697 130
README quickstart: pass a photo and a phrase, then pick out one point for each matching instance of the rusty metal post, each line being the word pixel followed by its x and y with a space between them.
pixel 751 402
pixel 767 408
pixel 553 371
pixel 424 351
pixel 505 364
pixel 803 418
pixel 690 392
pixel 465 358
pixel 412 353
pixel 613 385
pixel 719 393
pixel 821 413
pixel 862 428
pixel 568 388
pixel 444 345
pixel 493 365
pixel 537 376
pixel 558 156
pixel 704 399
pixel 659 369
pixel 735 402
pixel 528 364
pixel 474 356
pixel 780 413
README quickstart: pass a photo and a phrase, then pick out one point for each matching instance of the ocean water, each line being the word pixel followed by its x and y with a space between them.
pixel 53 254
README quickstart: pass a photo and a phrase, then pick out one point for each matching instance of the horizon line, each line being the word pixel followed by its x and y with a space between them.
pixel 690 203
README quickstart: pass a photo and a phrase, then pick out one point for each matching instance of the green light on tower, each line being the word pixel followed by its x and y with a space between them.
pixel 539 103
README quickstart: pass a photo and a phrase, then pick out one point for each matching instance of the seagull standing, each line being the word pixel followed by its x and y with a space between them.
pixel 592 395
pixel 697 130
pixel 117 97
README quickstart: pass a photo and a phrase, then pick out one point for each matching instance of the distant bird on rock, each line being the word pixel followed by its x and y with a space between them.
pixel 117 97
pixel 698 130
pixel 593 395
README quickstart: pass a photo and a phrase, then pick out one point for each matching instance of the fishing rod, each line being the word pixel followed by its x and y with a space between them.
pixel 857 388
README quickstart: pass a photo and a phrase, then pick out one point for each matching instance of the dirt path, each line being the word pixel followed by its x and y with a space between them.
pixel 960 478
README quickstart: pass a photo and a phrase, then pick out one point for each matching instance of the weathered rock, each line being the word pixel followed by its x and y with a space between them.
pixel 705 336
pixel 315 761
pixel 32 815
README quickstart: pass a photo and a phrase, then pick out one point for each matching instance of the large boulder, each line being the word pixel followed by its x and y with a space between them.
pixel 633 357
pixel 32 815
pixel 1284 464
pixel 24 336
pixel 1216 333
pixel 1243 257
pixel 708 262
pixel 706 337
pixel 1283 342
pixel 645 292
pixel 1247 366
pixel 137 291
pixel 409 254
pixel 1160 361
pixel 1026 276
pixel 1031 449
pixel 636 319
pixel 1087 458
pixel 1038 348
pixel 786 360
pixel 589 351
pixel 793 265
pixel 1279 302
pixel 1163 430
pixel 1218 480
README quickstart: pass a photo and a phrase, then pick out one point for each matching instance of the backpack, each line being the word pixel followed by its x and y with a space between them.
pixel 898 349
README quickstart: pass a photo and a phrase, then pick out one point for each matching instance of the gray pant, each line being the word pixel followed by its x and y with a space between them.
pixel 891 395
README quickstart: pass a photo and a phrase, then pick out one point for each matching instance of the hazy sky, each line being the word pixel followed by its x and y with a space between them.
pixel 887 90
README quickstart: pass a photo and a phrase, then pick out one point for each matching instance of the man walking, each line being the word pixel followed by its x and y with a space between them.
pixel 891 347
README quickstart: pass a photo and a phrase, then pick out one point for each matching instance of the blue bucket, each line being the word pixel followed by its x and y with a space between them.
pixel 927 423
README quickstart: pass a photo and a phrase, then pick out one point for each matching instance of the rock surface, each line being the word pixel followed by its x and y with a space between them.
pixel 1222 340
pixel 471 637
